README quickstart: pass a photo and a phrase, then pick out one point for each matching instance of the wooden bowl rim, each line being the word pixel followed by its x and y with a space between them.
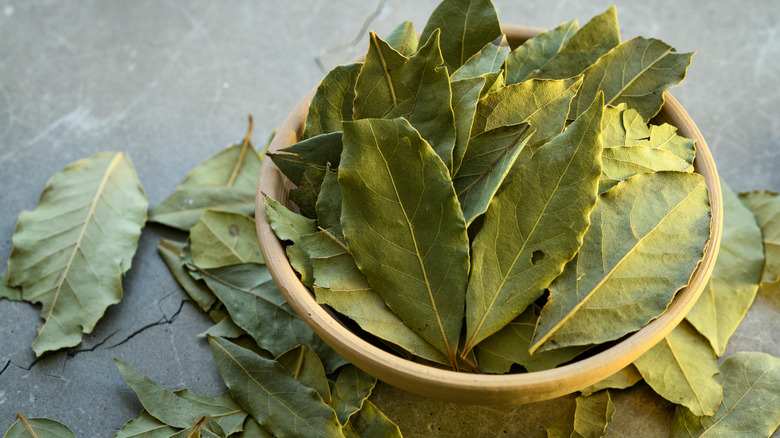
pixel 481 389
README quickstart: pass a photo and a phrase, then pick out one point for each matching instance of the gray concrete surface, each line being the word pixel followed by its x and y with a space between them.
pixel 170 83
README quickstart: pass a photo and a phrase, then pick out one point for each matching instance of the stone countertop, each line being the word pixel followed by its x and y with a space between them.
pixel 171 83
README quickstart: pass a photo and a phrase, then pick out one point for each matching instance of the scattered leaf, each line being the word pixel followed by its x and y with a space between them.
pixel 350 391
pixel 765 205
pixel 403 39
pixel 305 366
pixel 534 53
pixel 225 328
pixel 253 429
pixel 8 292
pixel 592 415
pixel 222 238
pixel 332 102
pixel 38 427
pixel 622 379
pixel 145 426
pixel 172 253
pixel 371 422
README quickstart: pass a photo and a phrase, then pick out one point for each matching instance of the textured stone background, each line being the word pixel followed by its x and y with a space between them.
pixel 171 83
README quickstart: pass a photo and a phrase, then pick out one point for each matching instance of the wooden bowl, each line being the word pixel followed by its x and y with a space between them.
pixel 482 389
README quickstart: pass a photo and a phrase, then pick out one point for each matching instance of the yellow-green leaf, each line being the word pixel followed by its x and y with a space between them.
pixel 290 226
pixel 465 95
pixel 592 415
pixel 622 162
pixel 145 426
pixel 533 54
pixel 71 251
pixel 8 292
pixel 488 60
pixel 37 428
pixel 332 102
pixel 222 238
pixel 622 379
pixel 765 205
pixel 306 367
pixel 371 422
pixel 172 253
pixel 403 39
pixel 350 391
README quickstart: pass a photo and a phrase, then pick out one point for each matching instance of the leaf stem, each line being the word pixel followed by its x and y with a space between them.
pixel 27 424
pixel 242 154
pixel 384 68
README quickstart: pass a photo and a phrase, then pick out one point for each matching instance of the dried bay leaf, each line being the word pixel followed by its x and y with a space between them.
pixel 313 155
pixel 622 162
pixel 418 88
pixel 409 240
pixel 256 305
pixel 465 95
pixel 622 379
pixel 329 204
pixel 308 190
pixel 486 163
pixel 225 328
pixel 181 409
pixel 332 102
pixel 145 426
pixel 637 72
pixel 265 389
pixel 290 226
pixel 466 26
pixel 227 180
pixel 350 391
pixel 25 427
pixel 369 421
pixel 172 253
pixel 403 39
pixel 253 429
pixel 533 226
pixel 204 428
pixel 734 282
pixel 488 60
pixel 680 369
pixel 751 401
pixel 534 53
pixel 306 367
pixel 222 238
pixel 70 252
pixel 590 418
pixel 620 279
pixel 8 292
pixel 597 37
pixel 765 205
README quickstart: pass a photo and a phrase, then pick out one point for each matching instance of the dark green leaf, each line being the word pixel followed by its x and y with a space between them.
pixel 332 102
pixel 225 328
pixel 536 52
pixel 313 153
pixel 371 422
pixel 350 391
pixel 329 204
pixel 308 190
pixel 172 254
pixel 306 367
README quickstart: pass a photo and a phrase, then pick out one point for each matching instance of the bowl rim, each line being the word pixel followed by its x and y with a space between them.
pixel 481 389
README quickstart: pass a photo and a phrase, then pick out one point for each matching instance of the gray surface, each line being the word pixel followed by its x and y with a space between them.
pixel 170 83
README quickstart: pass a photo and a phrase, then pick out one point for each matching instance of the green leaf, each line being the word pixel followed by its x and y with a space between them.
pixel 680 369
pixel 225 328
pixel 765 205
pixel 622 162
pixel 181 409
pixel 371 422
pixel 592 415
pixel 332 102
pixel 637 73
pixel 597 37
pixel 253 429
pixel 466 26
pixel 227 181
pixel 265 389
pixel 734 282
pixel 70 252
pixel 428 250
pixel 533 54
pixel 350 391
pixel 339 283
pixel 465 95
pixel 145 426
pixel 308 190
pixel 751 401
pixel 533 227
pixel 542 103
pixel 38 427
pixel 329 204
pixel 9 292
pixel 508 346
pixel 622 379
pixel 313 154
pixel 256 305
pixel 403 39
pixel 487 162
pixel 172 253
pixel 488 60
pixel 620 279
pixel 417 89
pixel 222 238
pixel 306 367
pixel 203 428
pixel 288 225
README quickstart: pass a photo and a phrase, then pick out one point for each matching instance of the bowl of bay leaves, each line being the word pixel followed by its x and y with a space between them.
pixel 493 215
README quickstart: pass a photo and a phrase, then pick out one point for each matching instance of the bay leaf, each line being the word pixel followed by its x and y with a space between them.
pixel 329 204
pixel 765 205
pixel 181 409
pixel 256 305
pixel 542 103
pixel 403 39
pixel 533 226
pixel 593 415
pixel 465 95
pixel 486 163
pixel 597 37
pixel 466 26
pixel 225 328
pixel 332 102
pixel 172 253
pixel 25 427
pixel 534 53
pixel 8 292
pixel 621 162
pixel 493 82
pixel 253 429
pixel 70 252
pixel 313 154
pixel 203 428
pixel 409 240
pixel 308 190
pixel 488 60
pixel 290 226
pixel 620 279
pixel 351 390
pixel 369 421
pixel 339 283
pixel 680 369
pixel 227 180
pixel 281 404
pixel 751 401
pixel 637 72
pixel 665 137
pixel 222 238
pixel 625 378
pixel 145 426
pixel 418 88
pixel 509 346
pixel 306 367
pixel 734 282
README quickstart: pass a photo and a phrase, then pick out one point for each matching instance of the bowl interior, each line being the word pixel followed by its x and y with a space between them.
pixel 481 388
